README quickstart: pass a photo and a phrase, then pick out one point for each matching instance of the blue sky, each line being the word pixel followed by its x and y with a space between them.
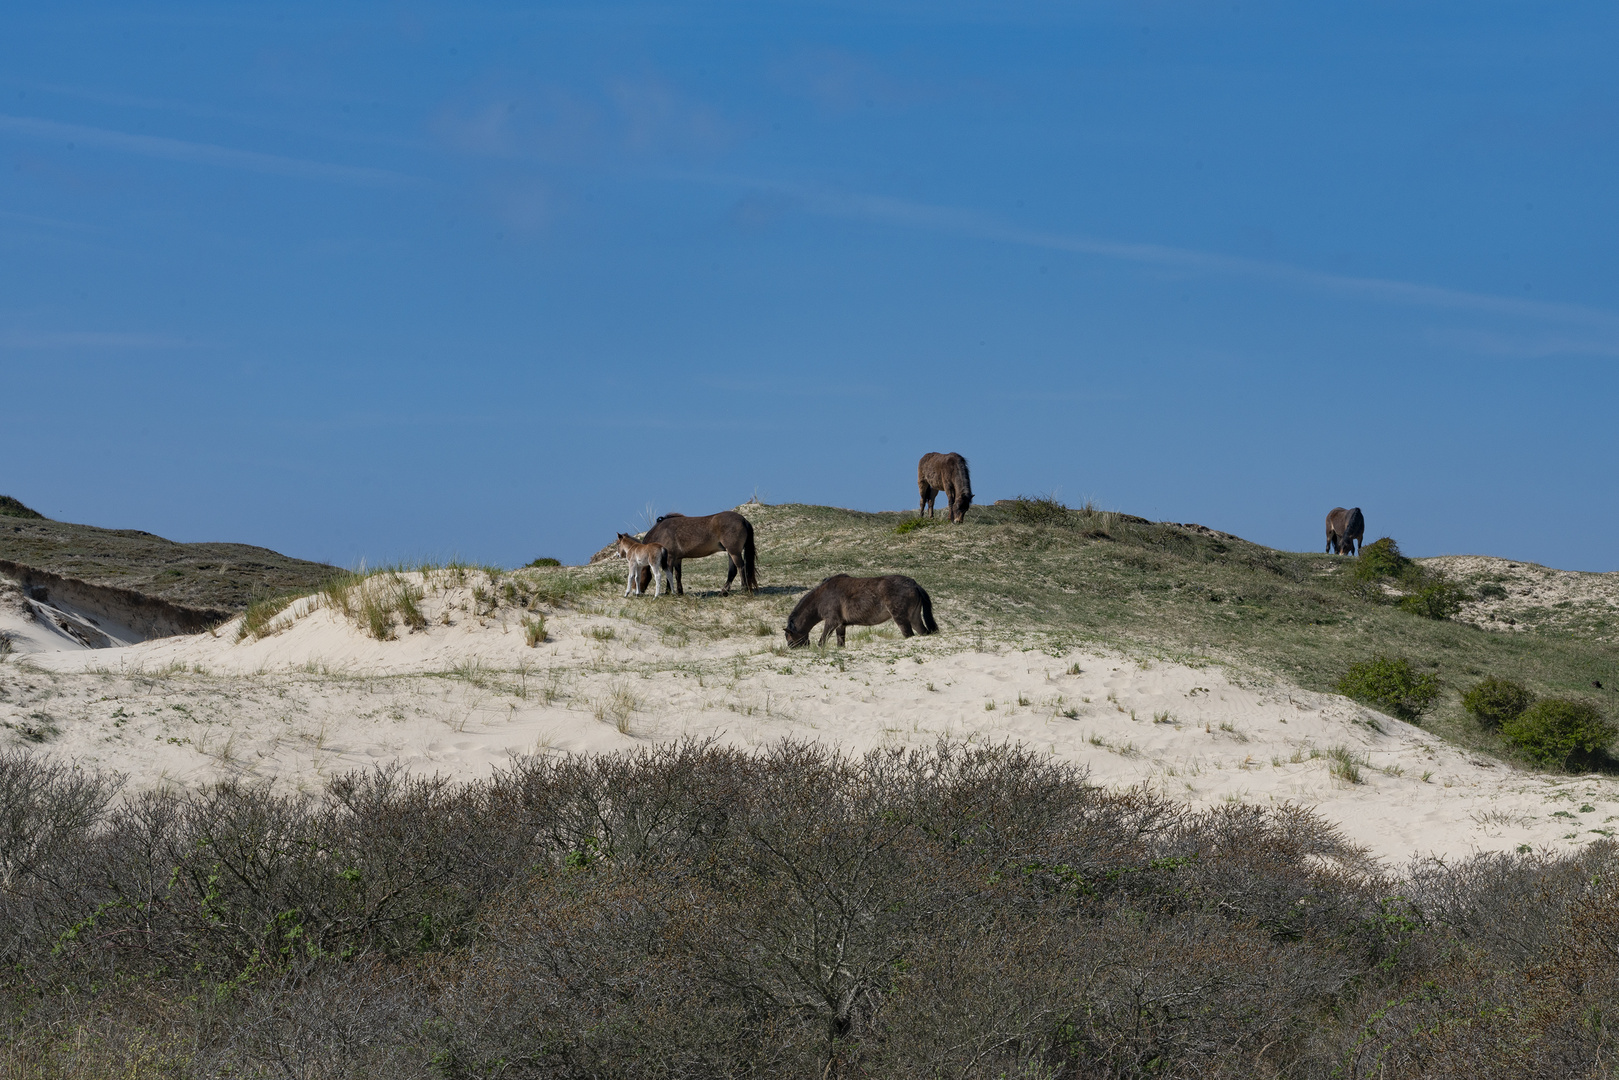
pixel 407 280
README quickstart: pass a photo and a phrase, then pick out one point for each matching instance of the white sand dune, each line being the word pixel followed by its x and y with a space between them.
pixel 29 625
pixel 461 695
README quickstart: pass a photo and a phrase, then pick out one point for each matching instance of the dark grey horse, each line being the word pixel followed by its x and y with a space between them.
pixel 842 601
pixel 1345 530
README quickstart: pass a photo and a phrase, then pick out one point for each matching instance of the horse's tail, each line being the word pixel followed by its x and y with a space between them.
pixel 750 562
pixel 929 626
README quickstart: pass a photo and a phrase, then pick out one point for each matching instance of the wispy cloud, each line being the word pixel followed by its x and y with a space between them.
pixel 980 226
pixel 154 146
pixel 89 339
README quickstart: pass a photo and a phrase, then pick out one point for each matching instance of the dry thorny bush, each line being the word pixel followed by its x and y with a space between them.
pixel 697 911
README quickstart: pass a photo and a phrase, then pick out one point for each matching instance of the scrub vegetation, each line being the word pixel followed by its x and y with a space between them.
pixel 696 911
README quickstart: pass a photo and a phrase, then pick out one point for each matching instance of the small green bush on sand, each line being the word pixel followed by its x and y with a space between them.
pixel 1439 599
pixel 1493 702
pixel 1392 685
pixel 545 562
pixel 1381 559
pixel 1557 732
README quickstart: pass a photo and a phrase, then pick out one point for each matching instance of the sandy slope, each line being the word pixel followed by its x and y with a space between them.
pixel 458 697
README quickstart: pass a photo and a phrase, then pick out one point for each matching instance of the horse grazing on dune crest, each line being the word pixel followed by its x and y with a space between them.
pixel 1346 529
pixel 652 558
pixel 841 601
pixel 945 473
pixel 697 537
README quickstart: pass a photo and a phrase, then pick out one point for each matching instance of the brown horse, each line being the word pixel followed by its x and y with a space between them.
pixel 1345 530
pixel 842 601
pixel 696 537
pixel 946 473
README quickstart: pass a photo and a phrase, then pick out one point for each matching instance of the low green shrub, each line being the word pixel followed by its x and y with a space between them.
pixel 1381 559
pixel 545 562
pixel 1037 510
pixel 1392 685
pixel 910 525
pixel 1493 702
pixel 1439 599
pixel 1556 732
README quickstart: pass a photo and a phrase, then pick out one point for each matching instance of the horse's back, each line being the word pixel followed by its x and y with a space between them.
pixel 938 469
pixel 694 537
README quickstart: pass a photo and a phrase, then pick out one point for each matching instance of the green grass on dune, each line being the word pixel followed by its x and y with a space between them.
pixel 1090 577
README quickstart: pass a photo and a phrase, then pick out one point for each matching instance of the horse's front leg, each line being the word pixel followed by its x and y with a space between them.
pixel 629 581
pixel 680 583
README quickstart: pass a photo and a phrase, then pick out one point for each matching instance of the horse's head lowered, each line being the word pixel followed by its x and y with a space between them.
pixel 960 509
pixel 796 638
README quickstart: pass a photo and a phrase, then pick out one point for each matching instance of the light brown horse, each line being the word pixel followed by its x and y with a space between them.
pixel 945 473
pixel 842 601
pixel 1345 530
pixel 652 558
pixel 697 537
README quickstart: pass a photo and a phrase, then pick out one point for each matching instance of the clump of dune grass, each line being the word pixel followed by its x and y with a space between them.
pixel 260 614
pixel 338 592
pixel 1344 765
pixel 376 613
pixel 616 707
pixel 534 629
pixel 408 598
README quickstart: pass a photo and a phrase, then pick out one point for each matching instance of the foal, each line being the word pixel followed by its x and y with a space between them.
pixel 655 557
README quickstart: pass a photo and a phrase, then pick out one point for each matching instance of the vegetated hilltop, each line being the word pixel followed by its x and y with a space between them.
pixel 1027 568
pixel 208 575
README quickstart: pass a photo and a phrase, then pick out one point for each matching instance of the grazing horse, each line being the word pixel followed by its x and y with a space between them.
pixel 842 601
pixel 1346 529
pixel 697 537
pixel 654 558
pixel 946 473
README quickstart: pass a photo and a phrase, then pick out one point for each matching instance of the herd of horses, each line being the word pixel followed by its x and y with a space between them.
pixel 842 601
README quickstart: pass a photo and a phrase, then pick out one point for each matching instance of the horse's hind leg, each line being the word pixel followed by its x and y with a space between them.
pixel 903 621
pixel 732 564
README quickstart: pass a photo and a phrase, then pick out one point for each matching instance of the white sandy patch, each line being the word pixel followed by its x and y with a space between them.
pixel 461 695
